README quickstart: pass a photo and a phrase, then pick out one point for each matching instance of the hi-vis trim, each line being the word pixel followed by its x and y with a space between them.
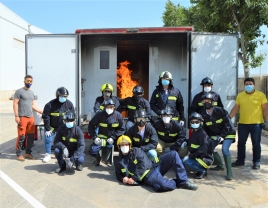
pixel 175 118
pixel 195 146
pixel 101 107
pixel 104 125
pixel 135 161
pixel 156 95
pixel 70 140
pixel 102 136
pixel 230 136
pixel 144 174
pixel 219 121
pixel 208 123
pixel 115 124
pixel 215 103
pixel 56 114
pixel 123 170
pixel 200 104
pixel 201 162
pixel 103 142
pixel 173 135
pixel 172 97
pixel 161 133
pixel 131 107
pixel 136 139
pixel 147 139
pixel 156 160
pixel 131 173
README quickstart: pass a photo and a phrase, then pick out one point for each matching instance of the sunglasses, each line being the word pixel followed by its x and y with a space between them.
pixel 195 122
pixel 28 81
pixel 140 119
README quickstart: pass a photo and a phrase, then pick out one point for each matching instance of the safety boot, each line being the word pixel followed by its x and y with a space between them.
pixel 29 156
pixel 20 158
pixel 228 165
pixel 97 160
pixel 79 167
pixel 189 185
pixel 217 162
pixel 60 169
pixel 201 174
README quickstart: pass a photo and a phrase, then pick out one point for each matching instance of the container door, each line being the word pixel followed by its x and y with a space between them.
pixel 215 56
pixel 52 60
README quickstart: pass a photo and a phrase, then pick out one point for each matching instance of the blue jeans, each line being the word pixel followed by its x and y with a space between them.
pixel 243 132
pixel 58 154
pixel 48 142
pixel 193 165
pixel 225 146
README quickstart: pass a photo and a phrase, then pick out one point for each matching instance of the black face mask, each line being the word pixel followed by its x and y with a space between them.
pixel 207 105
pixel 136 97
pixel 141 123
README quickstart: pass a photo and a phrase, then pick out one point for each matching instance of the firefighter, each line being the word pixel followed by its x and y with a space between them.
pixel 166 94
pixel 107 92
pixel 111 125
pixel 143 135
pixel 200 148
pixel 134 167
pixel 171 134
pixel 134 103
pixel 197 105
pixel 69 144
pixel 53 117
pixel 218 125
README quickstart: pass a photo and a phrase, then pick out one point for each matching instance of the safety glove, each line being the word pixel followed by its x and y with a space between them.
pixel 97 141
pixel 65 153
pixel 110 141
pixel 181 122
pixel 69 163
pixel 185 158
pixel 265 126
pixel 183 145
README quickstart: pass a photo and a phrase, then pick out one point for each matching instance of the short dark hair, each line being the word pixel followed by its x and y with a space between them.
pixel 249 80
pixel 28 76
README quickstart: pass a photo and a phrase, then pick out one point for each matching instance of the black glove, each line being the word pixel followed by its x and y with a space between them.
pixel 69 163
pixel 65 153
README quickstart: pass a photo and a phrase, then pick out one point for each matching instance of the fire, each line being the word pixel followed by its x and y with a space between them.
pixel 124 82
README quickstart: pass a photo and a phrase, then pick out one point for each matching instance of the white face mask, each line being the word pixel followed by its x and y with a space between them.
pixel 125 149
pixel 109 111
pixel 166 119
pixel 207 89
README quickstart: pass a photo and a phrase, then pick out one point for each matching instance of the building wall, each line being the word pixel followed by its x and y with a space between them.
pixel 12 51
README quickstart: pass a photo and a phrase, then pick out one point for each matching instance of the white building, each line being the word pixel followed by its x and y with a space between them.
pixel 12 50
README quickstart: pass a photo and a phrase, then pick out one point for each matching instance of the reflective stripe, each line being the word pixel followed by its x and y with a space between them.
pixel 103 142
pixel 215 103
pixel 102 136
pixel 172 98
pixel 209 123
pixel 201 162
pixel 219 121
pixel 200 104
pixel 55 114
pixel 131 107
pixel 230 136
pixel 213 137
pixel 63 138
pixel 144 174
pixel 156 95
pixel 115 124
pixel 136 139
pixel 147 140
pixel 104 125
pixel 135 161
pixel 161 133
pixel 175 118
pixel 51 128
pixel 173 135
pixel 131 173
pixel 123 170
pixel 195 146
pixel 101 107
pixel 70 140
pixel 156 159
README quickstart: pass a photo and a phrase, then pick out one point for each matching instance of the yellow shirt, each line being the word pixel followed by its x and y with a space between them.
pixel 251 111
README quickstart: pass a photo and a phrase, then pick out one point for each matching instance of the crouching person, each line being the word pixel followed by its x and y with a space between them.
pixel 69 144
pixel 200 148
pixel 133 167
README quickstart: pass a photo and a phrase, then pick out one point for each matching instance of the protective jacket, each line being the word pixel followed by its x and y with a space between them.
pixel 110 126
pixel 148 142
pixel 135 165
pixel 197 106
pixel 72 139
pixel 218 124
pixel 171 133
pixel 200 148
pixel 98 106
pixel 132 105
pixel 173 99
pixel 53 113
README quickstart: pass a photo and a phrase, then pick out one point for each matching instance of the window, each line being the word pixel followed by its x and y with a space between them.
pixel 18 43
pixel 104 59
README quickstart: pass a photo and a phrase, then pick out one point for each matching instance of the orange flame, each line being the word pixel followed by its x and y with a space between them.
pixel 124 82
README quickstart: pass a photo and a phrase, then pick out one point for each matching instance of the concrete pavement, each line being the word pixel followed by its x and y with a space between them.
pixel 98 187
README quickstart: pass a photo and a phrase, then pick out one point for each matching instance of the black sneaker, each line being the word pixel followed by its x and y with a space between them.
pixel 97 162
pixel 200 175
pixel 59 170
pixel 237 163
pixel 79 167
pixel 256 166
pixel 188 185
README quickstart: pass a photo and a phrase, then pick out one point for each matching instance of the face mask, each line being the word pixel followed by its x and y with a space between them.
pixel 165 82
pixel 109 111
pixel 249 88
pixel 166 119
pixel 69 124
pixel 195 125
pixel 136 97
pixel 125 149
pixel 207 89
pixel 28 85
pixel 62 99
pixel 207 105
pixel 107 94
pixel 141 123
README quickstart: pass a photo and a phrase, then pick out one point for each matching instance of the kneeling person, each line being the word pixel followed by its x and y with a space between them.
pixel 69 144
pixel 134 167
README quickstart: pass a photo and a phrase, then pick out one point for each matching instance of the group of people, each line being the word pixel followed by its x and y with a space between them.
pixel 148 145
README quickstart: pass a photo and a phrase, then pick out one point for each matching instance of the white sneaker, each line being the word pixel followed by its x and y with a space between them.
pixel 46 158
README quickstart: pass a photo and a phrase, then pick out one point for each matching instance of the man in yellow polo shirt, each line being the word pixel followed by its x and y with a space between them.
pixel 253 108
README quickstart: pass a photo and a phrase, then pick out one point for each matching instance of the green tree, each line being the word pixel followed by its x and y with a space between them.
pixel 244 17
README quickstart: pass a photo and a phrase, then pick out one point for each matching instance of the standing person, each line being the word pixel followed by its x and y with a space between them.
pixel 53 117
pixel 69 144
pixel 23 106
pixel 200 148
pixel 218 125
pixel 171 134
pixel 253 107
pixel 166 94
pixel 134 167
pixel 197 105
pixel 106 92
pixel 111 125
pixel 134 103
pixel 143 135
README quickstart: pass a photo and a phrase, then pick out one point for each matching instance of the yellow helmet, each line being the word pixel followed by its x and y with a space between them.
pixel 166 74
pixel 124 139
pixel 107 87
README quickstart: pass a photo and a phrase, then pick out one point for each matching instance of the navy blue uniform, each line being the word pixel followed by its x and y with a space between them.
pixel 98 106
pixel 140 168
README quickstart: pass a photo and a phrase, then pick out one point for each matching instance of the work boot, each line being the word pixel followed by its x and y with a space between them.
pixel 201 174
pixel 20 158
pixel 97 161
pixel 227 160
pixel 29 156
pixel 79 167
pixel 188 185
pixel 60 169
pixel 256 166
pixel 217 162
pixel 238 163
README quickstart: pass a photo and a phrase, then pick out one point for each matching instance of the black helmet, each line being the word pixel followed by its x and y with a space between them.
pixel 138 90
pixel 197 116
pixel 109 101
pixel 69 115
pixel 62 91
pixel 166 75
pixel 167 111
pixel 208 96
pixel 206 80
pixel 140 113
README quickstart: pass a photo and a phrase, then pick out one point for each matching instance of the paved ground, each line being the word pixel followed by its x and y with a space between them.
pixel 39 186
